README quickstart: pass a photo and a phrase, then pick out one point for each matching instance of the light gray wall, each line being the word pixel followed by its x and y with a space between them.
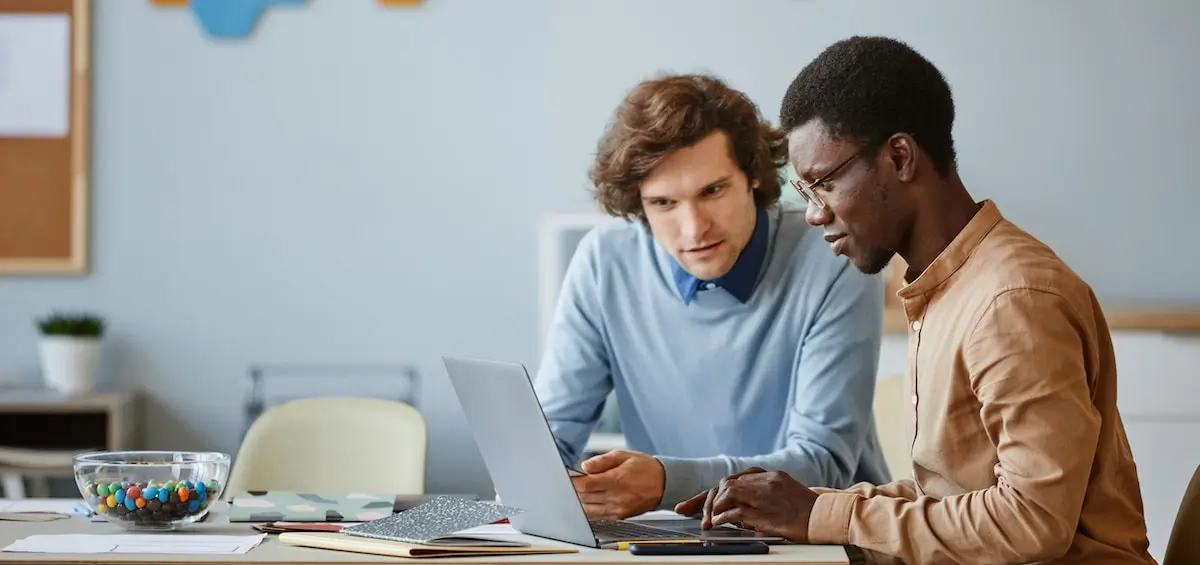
pixel 361 184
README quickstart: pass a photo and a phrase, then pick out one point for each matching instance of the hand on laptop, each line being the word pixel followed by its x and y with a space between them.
pixel 769 502
pixel 620 484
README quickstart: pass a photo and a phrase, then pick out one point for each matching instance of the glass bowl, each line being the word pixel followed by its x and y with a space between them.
pixel 151 490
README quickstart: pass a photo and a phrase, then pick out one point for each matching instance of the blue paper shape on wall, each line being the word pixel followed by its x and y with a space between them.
pixel 229 18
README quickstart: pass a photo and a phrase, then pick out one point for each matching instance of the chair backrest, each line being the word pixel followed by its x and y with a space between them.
pixel 894 422
pixel 1184 544
pixel 333 445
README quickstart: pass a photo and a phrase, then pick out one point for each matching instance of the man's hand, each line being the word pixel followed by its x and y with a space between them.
pixel 620 484
pixel 698 504
pixel 773 503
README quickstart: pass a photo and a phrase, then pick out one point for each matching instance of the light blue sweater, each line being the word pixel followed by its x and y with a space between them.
pixel 713 385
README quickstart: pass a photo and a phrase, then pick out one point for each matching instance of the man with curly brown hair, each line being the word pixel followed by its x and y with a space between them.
pixel 731 336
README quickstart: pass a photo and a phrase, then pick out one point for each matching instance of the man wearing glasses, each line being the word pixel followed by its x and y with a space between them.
pixel 731 336
pixel 1020 455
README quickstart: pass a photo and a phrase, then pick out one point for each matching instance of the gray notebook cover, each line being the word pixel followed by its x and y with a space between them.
pixel 435 523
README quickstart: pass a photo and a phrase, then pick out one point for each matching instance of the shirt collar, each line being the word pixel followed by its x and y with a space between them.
pixel 741 278
pixel 955 255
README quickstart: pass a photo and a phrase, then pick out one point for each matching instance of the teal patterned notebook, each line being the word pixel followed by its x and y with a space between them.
pixel 288 506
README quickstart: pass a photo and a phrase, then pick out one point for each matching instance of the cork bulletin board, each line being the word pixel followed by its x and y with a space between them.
pixel 44 101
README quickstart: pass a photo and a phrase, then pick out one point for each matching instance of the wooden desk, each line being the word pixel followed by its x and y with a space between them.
pixel 273 552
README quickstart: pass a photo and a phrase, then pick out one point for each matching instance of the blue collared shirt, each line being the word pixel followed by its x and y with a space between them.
pixel 741 278
pixel 784 380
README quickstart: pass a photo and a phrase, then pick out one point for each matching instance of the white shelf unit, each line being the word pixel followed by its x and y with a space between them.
pixel 558 236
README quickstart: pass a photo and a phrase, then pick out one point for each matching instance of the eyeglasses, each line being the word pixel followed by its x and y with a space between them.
pixel 809 193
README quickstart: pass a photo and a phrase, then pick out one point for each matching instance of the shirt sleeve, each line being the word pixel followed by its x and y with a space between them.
pixel 903 488
pixel 1026 358
pixel 831 415
pixel 574 379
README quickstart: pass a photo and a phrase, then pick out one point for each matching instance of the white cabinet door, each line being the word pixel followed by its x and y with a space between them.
pixel 1166 456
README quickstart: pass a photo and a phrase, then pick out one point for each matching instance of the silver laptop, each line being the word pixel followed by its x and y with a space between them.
pixel 518 448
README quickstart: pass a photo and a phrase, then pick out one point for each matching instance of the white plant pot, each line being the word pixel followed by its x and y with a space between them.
pixel 69 363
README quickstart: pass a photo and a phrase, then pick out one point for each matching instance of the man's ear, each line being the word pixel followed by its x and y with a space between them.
pixel 903 153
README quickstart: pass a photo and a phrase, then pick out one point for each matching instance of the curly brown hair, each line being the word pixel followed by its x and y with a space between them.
pixel 671 112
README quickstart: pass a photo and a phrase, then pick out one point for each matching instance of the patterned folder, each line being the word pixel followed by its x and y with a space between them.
pixel 437 523
pixel 288 506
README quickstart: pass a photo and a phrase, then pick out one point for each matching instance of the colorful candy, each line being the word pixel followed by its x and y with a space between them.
pixel 149 502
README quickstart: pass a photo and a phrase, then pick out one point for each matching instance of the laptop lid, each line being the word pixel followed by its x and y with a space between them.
pixel 512 434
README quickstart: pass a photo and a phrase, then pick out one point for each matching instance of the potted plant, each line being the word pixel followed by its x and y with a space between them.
pixel 70 351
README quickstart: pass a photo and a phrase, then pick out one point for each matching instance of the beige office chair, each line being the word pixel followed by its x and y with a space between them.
pixel 334 445
pixel 1183 547
pixel 893 420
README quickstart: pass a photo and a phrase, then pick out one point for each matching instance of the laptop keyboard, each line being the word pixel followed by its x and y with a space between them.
pixel 629 531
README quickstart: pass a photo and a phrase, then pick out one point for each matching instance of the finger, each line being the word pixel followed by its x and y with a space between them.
pixel 735 516
pixel 726 497
pixel 594 483
pixel 595 497
pixel 734 496
pixel 693 505
pixel 706 521
pixel 721 502
pixel 604 461
pixel 599 512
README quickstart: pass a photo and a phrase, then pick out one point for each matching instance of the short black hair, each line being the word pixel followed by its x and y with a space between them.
pixel 869 88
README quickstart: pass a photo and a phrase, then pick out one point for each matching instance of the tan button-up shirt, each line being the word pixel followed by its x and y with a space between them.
pixel 1019 454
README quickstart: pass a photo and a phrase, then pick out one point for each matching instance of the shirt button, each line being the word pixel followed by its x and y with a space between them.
pixel 916 325
pixel 914 400
pixel 710 286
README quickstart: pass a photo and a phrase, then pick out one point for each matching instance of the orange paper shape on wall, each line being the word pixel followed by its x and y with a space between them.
pixel 170 2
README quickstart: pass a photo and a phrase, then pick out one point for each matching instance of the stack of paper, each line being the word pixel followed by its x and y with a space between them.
pixel 343 542
pixel 60 505
pixel 135 543
pixel 443 527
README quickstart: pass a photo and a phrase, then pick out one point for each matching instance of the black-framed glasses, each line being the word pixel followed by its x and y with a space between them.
pixel 809 192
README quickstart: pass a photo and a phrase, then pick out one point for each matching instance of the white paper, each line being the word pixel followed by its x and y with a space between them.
pixel 660 515
pixel 60 505
pixel 166 543
pixel 489 530
pixel 69 506
pixel 35 69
